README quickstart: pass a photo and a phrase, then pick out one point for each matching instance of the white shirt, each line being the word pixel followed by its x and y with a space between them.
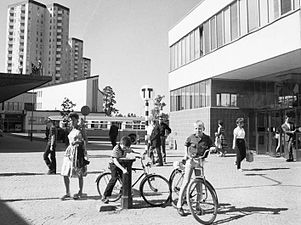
pixel 239 133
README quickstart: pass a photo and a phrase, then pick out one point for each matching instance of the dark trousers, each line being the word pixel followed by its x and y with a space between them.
pixel 163 149
pixel 50 161
pixel 113 141
pixel 290 145
pixel 240 151
pixel 115 174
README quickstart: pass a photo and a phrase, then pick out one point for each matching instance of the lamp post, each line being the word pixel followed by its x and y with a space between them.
pixel 146 93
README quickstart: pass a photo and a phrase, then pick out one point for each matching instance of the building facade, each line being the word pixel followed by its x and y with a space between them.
pixel 38 42
pixel 236 58
pixel 76 58
pixel 86 67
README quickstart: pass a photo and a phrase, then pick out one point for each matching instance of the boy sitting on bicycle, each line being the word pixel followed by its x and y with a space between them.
pixel 196 144
pixel 119 151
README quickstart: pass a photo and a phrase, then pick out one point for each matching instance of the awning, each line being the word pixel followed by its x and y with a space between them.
pixel 12 85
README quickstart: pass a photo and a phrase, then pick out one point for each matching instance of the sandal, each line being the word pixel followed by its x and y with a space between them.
pixel 77 196
pixel 65 196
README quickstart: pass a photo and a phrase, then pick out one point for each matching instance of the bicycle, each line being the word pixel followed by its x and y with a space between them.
pixel 153 188
pixel 202 198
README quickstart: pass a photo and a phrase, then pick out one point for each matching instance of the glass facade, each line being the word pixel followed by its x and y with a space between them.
pixel 234 21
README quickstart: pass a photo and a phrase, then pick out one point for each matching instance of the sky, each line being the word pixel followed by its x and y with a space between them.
pixel 126 40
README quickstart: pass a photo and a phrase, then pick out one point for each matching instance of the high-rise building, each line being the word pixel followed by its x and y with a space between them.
pixel 56 51
pixel 76 58
pixel 38 42
pixel 25 36
pixel 86 67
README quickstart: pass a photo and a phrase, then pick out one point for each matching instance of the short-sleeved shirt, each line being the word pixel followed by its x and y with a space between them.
pixel 239 133
pixel 118 152
pixel 198 145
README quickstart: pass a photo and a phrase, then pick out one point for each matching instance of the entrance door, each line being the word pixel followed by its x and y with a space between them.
pixel 262 134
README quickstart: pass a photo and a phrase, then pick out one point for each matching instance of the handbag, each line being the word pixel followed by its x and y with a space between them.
pixel 249 156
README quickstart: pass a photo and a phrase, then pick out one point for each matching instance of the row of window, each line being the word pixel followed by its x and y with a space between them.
pixel 234 21
pixel 190 97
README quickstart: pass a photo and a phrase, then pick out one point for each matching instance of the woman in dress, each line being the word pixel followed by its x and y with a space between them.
pixel 220 139
pixel 74 162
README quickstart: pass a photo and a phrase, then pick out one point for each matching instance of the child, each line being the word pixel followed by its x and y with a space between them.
pixel 119 151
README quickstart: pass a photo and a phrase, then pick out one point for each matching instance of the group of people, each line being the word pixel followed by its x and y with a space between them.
pixel 76 158
pixel 157 132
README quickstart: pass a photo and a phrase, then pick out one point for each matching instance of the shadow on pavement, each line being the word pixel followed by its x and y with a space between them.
pixel 20 174
pixel 226 209
pixel 9 216
pixel 263 169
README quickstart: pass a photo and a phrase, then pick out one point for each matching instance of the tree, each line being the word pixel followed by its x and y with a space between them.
pixel 158 106
pixel 67 107
pixel 109 101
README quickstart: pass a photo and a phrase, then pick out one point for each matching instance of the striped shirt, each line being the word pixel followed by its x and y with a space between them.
pixel 118 152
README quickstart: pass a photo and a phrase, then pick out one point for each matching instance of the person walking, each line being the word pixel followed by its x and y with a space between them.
pixel 278 142
pixel 113 134
pixel 196 144
pixel 156 143
pixel 239 143
pixel 164 131
pixel 289 131
pixel 51 138
pixel 220 139
pixel 75 158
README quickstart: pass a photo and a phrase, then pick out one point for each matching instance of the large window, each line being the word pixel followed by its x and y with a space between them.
pixel 206 37
pixel 253 15
pixel 227 25
pixel 234 21
pixel 273 10
pixel 213 33
pixel 226 100
pixel 264 15
pixel 219 29
pixel 286 6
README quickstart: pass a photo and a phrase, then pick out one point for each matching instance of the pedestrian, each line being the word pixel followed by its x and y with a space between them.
pixel 51 138
pixel 113 134
pixel 164 132
pixel 119 151
pixel 220 139
pixel 149 129
pixel 155 140
pixel 239 143
pixel 289 131
pixel 75 159
pixel 278 141
pixel 196 144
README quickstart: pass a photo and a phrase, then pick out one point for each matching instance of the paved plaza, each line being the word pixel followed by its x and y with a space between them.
pixel 267 192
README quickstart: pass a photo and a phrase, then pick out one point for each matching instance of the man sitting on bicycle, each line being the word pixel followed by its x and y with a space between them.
pixel 196 144
pixel 119 151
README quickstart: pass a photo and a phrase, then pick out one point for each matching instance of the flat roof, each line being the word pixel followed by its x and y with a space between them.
pixel 12 85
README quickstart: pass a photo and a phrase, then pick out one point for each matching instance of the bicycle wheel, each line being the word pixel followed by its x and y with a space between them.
pixel 202 201
pixel 155 190
pixel 102 182
pixel 175 181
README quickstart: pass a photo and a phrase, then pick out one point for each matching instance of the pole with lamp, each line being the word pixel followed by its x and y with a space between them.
pixel 147 94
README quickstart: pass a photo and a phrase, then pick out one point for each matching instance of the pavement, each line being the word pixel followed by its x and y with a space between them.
pixel 267 192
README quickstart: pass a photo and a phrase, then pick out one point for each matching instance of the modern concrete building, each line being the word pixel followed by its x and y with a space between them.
pixel 86 67
pixel 236 58
pixel 76 58
pixel 38 42
pixel 82 92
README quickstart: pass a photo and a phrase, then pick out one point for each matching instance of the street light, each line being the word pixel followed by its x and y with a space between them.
pixel 146 93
